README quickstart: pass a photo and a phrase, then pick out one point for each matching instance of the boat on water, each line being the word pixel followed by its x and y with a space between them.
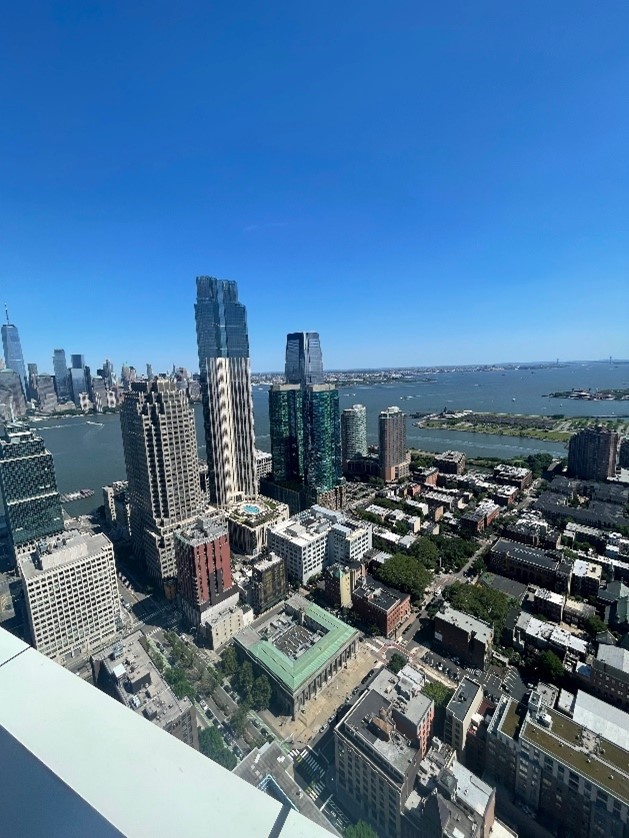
pixel 78 495
pixel 98 424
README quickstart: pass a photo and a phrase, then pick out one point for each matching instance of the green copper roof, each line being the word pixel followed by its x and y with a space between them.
pixel 294 673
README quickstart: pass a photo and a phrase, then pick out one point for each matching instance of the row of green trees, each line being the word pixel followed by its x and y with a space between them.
pixel 211 744
pixel 484 603
pixel 254 693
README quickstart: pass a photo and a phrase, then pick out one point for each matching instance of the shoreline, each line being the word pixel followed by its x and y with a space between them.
pixel 558 428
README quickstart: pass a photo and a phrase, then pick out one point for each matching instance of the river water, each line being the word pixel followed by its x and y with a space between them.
pixel 88 451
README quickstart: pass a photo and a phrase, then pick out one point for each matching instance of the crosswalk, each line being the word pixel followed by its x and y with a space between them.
pixel 312 769
pixel 315 790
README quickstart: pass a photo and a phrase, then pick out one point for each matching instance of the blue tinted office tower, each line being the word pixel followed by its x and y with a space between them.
pixel 13 357
pixel 304 363
pixel 225 377
pixel 29 487
pixel 60 367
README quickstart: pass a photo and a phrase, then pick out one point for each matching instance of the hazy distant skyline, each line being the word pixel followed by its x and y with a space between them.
pixel 422 185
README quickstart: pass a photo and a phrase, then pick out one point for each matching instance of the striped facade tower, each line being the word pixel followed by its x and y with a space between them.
pixel 223 346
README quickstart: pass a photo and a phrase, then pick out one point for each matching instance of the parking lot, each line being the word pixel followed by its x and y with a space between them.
pixel 496 681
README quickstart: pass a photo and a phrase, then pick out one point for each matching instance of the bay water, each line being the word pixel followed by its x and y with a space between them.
pixel 88 450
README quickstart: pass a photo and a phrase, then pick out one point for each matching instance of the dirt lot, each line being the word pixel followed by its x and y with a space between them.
pixel 319 710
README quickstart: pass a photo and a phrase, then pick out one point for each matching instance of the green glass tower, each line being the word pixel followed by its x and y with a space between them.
pixel 286 416
pixel 323 429
pixel 29 487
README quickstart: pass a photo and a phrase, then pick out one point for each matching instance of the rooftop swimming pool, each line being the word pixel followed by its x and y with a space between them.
pixel 251 509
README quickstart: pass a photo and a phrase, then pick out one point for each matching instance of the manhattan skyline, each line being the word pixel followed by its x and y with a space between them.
pixel 458 183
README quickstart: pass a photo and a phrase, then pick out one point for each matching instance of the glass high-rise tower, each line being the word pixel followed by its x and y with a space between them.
pixel 286 421
pixel 60 367
pixel 29 487
pixel 305 422
pixel 323 434
pixel 304 363
pixel 354 432
pixel 13 357
pixel 225 378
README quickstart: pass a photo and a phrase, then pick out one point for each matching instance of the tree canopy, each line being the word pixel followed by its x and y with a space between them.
pixel 261 693
pixel 405 573
pixel 439 693
pixel 179 682
pixel 481 602
pixel 426 552
pixel 359 830
pixel 212 745
pixel 594 625
pixel 229 661
pixel 550 666
pixel 397 662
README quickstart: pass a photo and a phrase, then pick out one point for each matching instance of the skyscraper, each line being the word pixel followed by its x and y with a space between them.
pixel 12 401
pixel 160 450
pixel 32 381
pixel 225 377
pixel 60 367
pixel 29 487
pixel 323 434
pixel 78 380
pixel 354 432
pixel 286 421
pixel 394 459
pixel 592 453
pixel 304 363
pixel 12 347
pixel 305 424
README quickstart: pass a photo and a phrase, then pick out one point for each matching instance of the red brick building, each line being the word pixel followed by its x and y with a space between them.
pixel 204 576
pixel 383 607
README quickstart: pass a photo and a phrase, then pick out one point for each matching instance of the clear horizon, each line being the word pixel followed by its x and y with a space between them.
pixel 422 186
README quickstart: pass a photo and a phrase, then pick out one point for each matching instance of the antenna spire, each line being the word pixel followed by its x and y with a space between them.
pixel 6 310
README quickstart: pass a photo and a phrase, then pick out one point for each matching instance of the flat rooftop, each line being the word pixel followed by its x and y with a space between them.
pixel 465 622
pixel 615 657
pixel 269 561
pixel 61 550
pixel 471 788
pixel 523 553
pixel 270 761
pixel 465 695
pixel 378 594
pixel 507 586
pixel 608 721
pixel 129 664
pixel 359 726
pixel 594 757
pixel 404 691
pixel 309 526
pixel 296 642
pixel 204 529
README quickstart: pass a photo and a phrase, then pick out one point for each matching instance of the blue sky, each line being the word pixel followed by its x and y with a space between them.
pixel 422 183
